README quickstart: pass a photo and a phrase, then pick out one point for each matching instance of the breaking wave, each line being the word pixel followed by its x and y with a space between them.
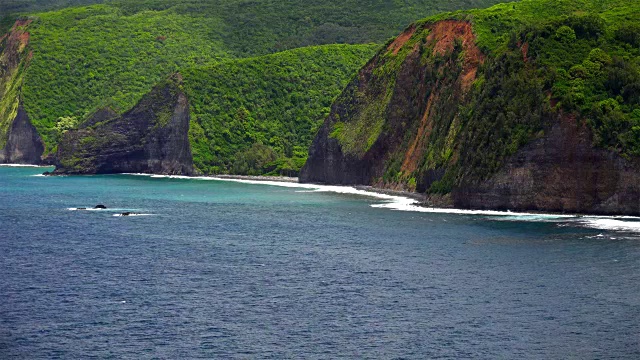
pixel 402 203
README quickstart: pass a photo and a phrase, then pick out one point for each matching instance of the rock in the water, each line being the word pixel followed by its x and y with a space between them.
pixel 152 137
pixel 100 206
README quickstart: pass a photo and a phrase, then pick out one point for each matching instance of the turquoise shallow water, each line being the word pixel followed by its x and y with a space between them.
pixel 234 270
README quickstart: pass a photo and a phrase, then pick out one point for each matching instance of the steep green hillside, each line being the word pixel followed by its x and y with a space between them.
pixel 115 52
pixel 86 57
pixel 13 63
pixel 583 56
pixel 26 6
pixel 266 26
pixel 447 104
pixel 259 115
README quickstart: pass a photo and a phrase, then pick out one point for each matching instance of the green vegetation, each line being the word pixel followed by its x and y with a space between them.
pixel 544 59
pixel 269 106
pixel 86 56
pixel 9 101
pixel 114 52
pixel 585 55
pixel 29 6
pixel 13 62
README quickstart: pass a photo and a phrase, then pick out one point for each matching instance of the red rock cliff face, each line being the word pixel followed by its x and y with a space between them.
pixel 19 140
pixel 424 79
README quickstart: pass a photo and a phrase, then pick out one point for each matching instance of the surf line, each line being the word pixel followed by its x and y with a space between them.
pixel 392 202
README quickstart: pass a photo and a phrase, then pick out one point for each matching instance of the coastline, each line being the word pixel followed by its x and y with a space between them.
pixel 421 199
pixel 255 178
pixel 25 165
pixel 394 199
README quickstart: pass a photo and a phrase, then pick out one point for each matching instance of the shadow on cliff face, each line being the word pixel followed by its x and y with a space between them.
pixel 19 139
pixel 561 172
pixel 152 137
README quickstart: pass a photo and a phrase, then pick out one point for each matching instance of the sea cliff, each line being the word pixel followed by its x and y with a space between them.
pixel 152 137
pixel 496 109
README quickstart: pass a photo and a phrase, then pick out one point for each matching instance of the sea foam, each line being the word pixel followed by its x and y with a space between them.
pixel 402 203
pixel 24 165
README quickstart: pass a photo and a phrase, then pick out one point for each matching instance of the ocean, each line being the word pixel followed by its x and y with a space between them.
pixel 243 269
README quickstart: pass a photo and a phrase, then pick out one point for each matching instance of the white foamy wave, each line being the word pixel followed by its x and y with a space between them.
pixel 122 215
pixel 85 209
pixel 402 203
pixel 406 204
pixel 608 223
pixel 38 175
pixel 23 165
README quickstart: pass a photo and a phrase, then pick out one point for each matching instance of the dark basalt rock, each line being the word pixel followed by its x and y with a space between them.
pixel 99 116
pixel 100 206
pixel 152 137
pixel 24 145
pixel 561 172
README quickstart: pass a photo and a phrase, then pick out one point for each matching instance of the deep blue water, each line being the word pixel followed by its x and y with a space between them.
pixel 234 270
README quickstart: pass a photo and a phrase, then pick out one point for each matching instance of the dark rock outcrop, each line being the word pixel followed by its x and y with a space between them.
pixel 152 137
pixel 561 172
pixel 24 145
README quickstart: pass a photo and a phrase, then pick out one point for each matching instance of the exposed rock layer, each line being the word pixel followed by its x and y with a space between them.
pixel 560 170
pixel 419 105
pixel 152 137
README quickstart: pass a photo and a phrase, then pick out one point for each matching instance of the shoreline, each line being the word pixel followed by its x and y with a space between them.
pixel 419 201
pixel 25 165
pixel 254 178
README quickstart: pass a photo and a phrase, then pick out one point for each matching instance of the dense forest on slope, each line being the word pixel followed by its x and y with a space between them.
pixel 259 115
pixel 113 53
pixel 576 57
pixel 29 6
pixel 444 106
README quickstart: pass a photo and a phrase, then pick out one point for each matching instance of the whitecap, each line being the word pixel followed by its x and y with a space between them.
pixel 609 223
pixel 403 203
pixel 25 165
pixel 120 215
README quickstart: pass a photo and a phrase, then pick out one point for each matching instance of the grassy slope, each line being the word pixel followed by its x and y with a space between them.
pixel 115 52
pixel 276 100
